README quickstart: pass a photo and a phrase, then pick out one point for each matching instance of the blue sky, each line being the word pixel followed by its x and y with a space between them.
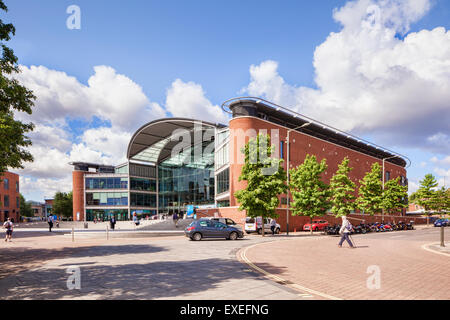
pixel 209 47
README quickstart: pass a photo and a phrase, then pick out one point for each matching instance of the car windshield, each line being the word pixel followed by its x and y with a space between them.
pixel 249 220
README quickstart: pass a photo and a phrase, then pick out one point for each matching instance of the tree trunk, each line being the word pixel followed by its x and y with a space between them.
pixel 262 228
pixel 311 228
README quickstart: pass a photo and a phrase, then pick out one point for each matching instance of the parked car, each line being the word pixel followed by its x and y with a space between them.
pixel 441 223
pixel 252 226
pixel 317 225
pixel 227 221
pixel 208 228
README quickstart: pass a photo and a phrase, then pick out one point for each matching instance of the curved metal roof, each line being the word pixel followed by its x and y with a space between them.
pixel 151 143
pixel 291 119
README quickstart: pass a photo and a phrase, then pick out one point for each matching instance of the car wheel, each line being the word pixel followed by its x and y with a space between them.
pixel 277 230
pixel 197 236
pixel 233 236
pixel 316 229
pixel 259 231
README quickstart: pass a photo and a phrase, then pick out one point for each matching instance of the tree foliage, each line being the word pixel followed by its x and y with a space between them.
pixel 63 204
pixel 13 97
pixel 441 200
pixel 342 190
pixel 370 191
pixel 310 195
pixel 394 196
pixel 25 207
pixel 265 177
pixel 426 193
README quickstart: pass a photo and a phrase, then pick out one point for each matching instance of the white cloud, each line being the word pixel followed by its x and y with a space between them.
pixel 445 161
pixel 187 99
pixel 108 95
pixel 369 81
pixel 44 188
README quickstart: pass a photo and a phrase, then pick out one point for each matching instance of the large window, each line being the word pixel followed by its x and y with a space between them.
pixel 17 186
pixel 143 200
pixel 6 184
pixel 183 183
pixel 223 181
pixel 6 202
pixel 142 184
pixel 107 198
pixel 106 183
pixel 106 214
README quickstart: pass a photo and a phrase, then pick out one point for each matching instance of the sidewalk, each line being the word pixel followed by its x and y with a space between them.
pixel 405 270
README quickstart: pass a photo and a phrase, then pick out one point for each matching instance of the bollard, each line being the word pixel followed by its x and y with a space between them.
pixel 107 232
pixel 73 236
pixel 442 237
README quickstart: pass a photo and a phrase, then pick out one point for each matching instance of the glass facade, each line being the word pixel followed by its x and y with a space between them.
pixel 142 184
pixel 123 169
pixel 186 181
pixel 106 183
pixel 106 214
pixel 143 200
pixel 107 198
pixel 223 181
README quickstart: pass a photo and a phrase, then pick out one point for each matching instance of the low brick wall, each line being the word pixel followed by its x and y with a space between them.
pixel 296 222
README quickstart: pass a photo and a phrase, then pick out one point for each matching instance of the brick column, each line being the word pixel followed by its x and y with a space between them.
pixel 78 194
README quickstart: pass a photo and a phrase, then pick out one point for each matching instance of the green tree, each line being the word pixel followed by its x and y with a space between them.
pixel 63 204
pixel 440 200
pixel 426 193
pixel 265 177
pixel 310 195
pixel 25 207
pixel 394 196
pixel 342 190
pixel 370 191
pixel 13 97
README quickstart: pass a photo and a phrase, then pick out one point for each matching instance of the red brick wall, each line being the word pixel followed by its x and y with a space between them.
pixel 78 194
pixel 300 145
pixel 296 222
pixel 13 210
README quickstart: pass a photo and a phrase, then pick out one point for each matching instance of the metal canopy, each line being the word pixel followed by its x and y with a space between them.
pixel 152 144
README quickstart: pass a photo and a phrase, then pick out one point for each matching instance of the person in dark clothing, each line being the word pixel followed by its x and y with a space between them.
pixel 175 219
pixel 112 222
pixel 50 224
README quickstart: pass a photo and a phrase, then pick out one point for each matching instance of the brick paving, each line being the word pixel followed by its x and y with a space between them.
pixel 34 266
pixel 407 271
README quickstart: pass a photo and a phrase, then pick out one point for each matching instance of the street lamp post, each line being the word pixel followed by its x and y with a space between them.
pixel 287 168
pixel 382 209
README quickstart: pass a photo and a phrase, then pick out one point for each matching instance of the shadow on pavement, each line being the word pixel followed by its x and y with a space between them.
pixel 159 279
pixel 18 259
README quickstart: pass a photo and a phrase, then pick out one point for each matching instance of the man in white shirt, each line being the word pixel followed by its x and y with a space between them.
pixel 273 225
pixel 8 225
pixel 345 232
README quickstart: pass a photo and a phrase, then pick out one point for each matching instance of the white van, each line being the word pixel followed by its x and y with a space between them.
pixel 254 225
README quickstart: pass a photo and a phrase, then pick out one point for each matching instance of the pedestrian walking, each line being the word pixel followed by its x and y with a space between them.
pixel 135 219
pixel 112 222
pixel 50 223
pixel 175 219
pixel 273 225
pixel 8 225
pixel 345 230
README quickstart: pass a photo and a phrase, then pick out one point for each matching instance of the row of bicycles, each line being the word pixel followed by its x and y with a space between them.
pixel 364 228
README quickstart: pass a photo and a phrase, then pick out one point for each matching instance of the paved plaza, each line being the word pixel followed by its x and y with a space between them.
pixel 35 264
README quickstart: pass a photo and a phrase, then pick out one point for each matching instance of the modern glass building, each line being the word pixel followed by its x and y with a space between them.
pixel 170 166
pixel 176 163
